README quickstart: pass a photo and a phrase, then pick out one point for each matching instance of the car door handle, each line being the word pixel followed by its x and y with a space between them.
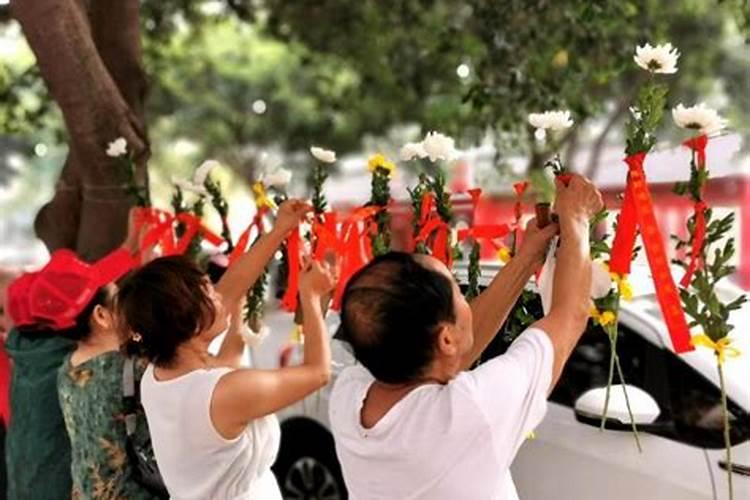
pixel 742 470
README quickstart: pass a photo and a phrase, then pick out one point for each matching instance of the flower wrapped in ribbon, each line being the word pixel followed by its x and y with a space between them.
pixel 705 121
pixel 711 250
pixel 637 208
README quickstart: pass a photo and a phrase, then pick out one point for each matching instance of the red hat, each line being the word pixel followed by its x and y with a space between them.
pixel 57 294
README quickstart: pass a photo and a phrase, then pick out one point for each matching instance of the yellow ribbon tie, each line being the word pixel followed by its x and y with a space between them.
pixel 261 197
pixel 721 347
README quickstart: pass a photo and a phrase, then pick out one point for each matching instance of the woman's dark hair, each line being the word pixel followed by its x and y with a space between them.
pixel 165 303
pixel 391 312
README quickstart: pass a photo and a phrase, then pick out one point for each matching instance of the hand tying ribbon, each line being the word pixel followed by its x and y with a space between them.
pixel 637 211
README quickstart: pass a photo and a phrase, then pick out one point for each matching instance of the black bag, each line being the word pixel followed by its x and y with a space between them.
pixel 141 455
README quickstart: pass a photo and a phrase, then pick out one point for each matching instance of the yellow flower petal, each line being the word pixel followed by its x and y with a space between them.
pixel 379 161
pixel 504 255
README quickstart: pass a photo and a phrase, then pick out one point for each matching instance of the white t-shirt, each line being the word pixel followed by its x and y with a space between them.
pixel 445 442
pixel 195 461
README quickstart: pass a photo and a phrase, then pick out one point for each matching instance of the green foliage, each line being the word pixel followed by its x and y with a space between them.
pixel 256 298
pixel 319 176
pixel 475 272
pixel 197 208
pixel 645 116
pixel 222 208
pixel 381 196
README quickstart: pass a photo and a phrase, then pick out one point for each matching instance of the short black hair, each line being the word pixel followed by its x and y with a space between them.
pixel 166 303
pixel 391 312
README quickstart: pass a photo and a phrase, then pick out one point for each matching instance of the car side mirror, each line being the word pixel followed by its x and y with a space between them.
pixel 589 407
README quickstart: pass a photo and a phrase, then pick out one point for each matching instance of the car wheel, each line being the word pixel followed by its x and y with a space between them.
pixel 307 468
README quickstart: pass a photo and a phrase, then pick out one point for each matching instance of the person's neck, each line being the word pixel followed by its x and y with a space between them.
pixel 96 343
pixel 192 355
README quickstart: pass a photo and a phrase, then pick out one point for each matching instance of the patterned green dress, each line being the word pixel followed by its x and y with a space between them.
pixel 92 404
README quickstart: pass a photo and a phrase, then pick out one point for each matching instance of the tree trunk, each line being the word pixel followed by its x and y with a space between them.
pixel 89 54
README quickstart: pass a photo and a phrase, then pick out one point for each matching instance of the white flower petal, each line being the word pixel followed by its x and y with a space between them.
pixel 540 134
pixel 324 155
pixel 551 120
pixel 659 59
pixel 438 146
pixel 254 339
pixel 698 117
pixel 202 172
pixel 412 150
pixel 278 178
pixel 117 148
pixel 601 282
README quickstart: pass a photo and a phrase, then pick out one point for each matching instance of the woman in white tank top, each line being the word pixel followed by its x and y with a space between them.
pixel 212 423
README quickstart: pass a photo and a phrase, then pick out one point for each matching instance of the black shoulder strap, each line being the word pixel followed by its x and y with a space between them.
pixel 128 392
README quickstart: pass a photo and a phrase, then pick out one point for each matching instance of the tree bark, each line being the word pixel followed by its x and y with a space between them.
pixel 89 55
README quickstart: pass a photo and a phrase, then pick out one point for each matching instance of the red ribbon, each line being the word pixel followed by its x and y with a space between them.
pixel 162 223
pixel 289 300
pixel 699 236
pixel 242 242
pixel 638 211
pixel 698 145
pixel 430 223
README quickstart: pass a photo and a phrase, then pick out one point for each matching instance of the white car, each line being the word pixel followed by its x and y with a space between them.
pixel 570 458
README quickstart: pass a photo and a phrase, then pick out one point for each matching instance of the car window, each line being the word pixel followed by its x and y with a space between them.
pixel 690 405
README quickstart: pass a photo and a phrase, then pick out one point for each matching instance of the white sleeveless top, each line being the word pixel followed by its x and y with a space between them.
pixel 195 461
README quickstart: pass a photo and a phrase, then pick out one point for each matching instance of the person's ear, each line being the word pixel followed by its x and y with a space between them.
pixel 447 341
pixel 102 317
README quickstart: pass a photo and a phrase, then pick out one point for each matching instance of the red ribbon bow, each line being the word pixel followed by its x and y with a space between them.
pixel 638 211
pixel 430 223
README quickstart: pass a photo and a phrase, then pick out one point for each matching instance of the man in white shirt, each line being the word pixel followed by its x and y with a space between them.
pixel 412 421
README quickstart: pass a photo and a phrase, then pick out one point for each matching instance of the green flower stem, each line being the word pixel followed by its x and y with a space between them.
pixel 627 403
pixel 727 435
pixel 610 377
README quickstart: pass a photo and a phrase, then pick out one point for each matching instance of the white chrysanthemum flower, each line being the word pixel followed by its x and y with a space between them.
pixel 601 281
pixel 659 59
pixel 278 178
pixel 190 186
pixel 324 155
pixel 551 120
pixel 438 146
pixel 117 148
pixel 699 117
pixel 202 172
pixel 254 339
pixel 412 150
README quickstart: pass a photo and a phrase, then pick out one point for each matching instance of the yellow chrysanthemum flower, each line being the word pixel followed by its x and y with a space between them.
pixel 604 318
pixel 504 255
pixel 623 285
pixel 377 161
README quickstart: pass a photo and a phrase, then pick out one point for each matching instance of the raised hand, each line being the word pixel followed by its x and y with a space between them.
pixel 318 279
pixel 291 213
pixel 579 199
pixel 536 241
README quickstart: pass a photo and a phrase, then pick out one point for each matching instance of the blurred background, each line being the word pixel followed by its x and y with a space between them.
pixel 254 83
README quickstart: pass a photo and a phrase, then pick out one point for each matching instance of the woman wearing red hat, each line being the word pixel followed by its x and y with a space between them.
pixel 67 300
pixel 212 423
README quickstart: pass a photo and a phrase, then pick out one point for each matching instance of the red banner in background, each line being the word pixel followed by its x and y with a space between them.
pixel 638 212
pixel 293 247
